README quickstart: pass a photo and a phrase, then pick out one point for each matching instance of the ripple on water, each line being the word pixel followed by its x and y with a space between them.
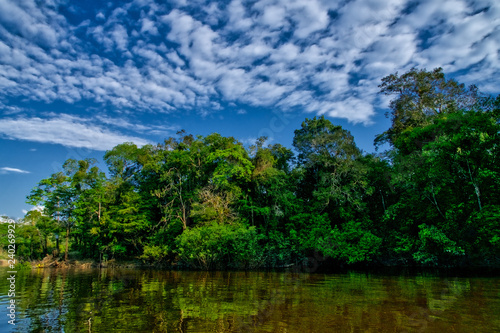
pixel 146 301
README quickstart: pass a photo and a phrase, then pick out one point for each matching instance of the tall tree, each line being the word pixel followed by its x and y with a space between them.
pixel 420 95
pixel 57 196
pixel 59 193
pixel 334 179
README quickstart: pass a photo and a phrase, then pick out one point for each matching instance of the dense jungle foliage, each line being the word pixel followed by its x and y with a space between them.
pixel 431 199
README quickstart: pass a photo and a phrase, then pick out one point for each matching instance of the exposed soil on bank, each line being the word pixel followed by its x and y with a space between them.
pixel 54 262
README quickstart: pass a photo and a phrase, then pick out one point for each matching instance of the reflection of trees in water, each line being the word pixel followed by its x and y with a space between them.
pixel 146 301
pixel 440 298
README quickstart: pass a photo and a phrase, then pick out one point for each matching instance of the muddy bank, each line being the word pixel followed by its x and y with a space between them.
pixel 54 262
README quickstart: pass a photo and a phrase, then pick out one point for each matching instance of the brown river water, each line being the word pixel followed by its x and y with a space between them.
pixel 134 300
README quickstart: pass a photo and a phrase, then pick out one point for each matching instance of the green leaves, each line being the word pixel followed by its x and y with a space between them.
pixel 352 243
pixel 321 142
pixel 333 178
pixel 122 160
pixel 217 246
pixel 445 167
pixel 486 226
pixel 232 164
pixel 420 96
pixel 435 248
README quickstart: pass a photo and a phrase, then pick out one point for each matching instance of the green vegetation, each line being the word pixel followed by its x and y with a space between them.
pixel 431 199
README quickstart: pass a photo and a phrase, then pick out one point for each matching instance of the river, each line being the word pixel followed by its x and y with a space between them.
pixel 134 300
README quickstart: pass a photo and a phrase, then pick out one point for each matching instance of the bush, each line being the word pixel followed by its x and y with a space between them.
pixel 351 244
pixel 486 242
pixel 155 253
pixel 25 265
pixel 280 249
pixel 435 248
pixel 219 246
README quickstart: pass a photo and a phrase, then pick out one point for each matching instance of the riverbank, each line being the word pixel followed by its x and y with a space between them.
pixel 305 267
pixel 54 262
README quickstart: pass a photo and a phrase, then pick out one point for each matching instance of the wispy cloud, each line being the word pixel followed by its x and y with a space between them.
pixel 145 129
pixel 66 130
pixel 6 170
pixel 316 56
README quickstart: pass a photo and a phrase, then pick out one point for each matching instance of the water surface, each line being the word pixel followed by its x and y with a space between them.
pixel 132 300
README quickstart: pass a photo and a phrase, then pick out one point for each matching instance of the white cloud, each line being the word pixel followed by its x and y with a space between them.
pixel 234 84
pixel 390 52
pixel 66 130
pixel 307 55
pixel 467 44
pixel 6 170
pixel 239 19
pixel 309 16
pixel 37 208
pixel 120 37
pixel 149 27
pixel 273 16
pixel 123 123
pixel 30 22
pixel 100 16
pixel 285 53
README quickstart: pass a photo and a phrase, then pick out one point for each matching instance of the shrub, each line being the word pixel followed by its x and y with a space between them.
pixel 434 247
pixel 219 246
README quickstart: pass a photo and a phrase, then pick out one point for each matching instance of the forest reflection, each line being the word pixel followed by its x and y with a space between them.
pixel 132 300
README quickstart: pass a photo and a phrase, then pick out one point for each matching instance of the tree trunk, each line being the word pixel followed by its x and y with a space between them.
pixel 66 250
pixel 383 201
pixel 57 246
pixel 476 187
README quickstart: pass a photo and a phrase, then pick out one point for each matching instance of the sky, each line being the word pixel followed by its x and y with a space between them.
pixel 79 77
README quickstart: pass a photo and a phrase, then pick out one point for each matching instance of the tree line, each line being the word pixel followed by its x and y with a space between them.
pixel 206 202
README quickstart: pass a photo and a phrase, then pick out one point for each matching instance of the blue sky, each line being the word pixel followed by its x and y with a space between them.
pixel 79 77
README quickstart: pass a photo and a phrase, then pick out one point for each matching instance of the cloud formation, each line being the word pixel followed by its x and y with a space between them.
pixel 66 130
pixel 324 57
pixel 6 170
